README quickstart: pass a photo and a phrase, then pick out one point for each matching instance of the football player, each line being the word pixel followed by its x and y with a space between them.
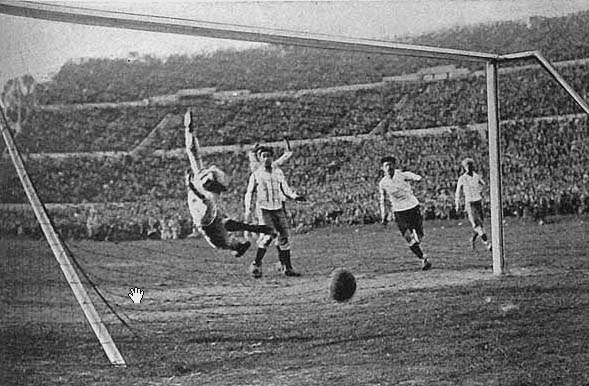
pixel 472 185
pixel 204 187
pixel 395 188
pixel 271 190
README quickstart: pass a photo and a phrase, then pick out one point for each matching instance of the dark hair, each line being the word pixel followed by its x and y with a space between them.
pixel 264 149
pixel 388 158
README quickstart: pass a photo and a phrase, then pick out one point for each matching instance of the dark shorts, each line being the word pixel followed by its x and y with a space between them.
pixel 216 234
pixel 409 220
pixel 277 220
pixel 474 210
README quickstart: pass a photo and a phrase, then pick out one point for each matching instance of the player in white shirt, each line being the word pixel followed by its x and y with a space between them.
pixel 204 187
pixel 269 185
pixel 394 188
pixel 471 184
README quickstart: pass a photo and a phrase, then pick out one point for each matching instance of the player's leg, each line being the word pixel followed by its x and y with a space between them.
pixel 410 223
pixel 264 240
pixel 475 216
pixel 238 226
pixel 218 237
pixel 281 226
pixel 479 218
pixel 470 215
pixel 418 234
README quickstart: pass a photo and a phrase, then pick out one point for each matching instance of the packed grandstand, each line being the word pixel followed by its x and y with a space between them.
pixel 304 95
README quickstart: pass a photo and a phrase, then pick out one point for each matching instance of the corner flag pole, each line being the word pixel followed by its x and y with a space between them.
pixel 58 249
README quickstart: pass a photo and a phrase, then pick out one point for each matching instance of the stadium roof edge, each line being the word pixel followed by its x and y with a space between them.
pixel 126 20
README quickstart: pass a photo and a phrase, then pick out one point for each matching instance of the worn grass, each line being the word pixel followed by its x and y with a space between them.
pixel 204 321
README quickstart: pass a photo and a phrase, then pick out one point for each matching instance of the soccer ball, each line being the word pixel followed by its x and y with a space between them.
pixel 342 286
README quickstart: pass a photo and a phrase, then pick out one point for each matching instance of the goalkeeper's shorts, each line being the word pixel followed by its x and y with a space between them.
pixel 217 235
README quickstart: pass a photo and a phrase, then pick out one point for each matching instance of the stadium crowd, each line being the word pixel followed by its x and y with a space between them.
pixel 140 196
pixel 544 173
pixel 402 105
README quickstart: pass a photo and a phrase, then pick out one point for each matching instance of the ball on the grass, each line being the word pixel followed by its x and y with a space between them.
pixel 342 286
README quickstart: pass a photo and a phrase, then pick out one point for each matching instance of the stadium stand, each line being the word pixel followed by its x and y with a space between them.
pixel 321 96
pixel 544 174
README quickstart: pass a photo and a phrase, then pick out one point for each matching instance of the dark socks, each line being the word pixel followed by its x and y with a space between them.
pixel 416 250
pixel 284 257
pixel 259 256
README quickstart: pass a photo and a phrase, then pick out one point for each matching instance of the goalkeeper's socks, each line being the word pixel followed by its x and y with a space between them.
pixel 416 249
pixel 259 256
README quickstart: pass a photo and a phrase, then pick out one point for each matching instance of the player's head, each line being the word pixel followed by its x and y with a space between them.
pixel 468 165
pixel 265 155
pixel 213 179
pixel 387 164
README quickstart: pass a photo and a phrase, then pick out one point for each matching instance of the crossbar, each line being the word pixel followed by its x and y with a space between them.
pixel 182 26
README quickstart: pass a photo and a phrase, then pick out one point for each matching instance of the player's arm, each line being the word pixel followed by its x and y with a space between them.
pixel 457 194
pixel 249 193
pixel 288 192
pixel 285 156
pixel 411 176
pixel 252 158
pixel 382 201
pixel 191 142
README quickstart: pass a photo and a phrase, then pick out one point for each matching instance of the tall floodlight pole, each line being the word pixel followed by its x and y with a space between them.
pixel 494 132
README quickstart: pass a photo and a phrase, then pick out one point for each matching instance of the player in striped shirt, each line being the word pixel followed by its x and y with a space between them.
pixel 471 184
pixel 255 163
pixel 269 185
pixel 204 187
pixel 395 188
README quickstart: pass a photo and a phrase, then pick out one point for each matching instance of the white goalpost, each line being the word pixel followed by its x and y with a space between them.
pixel 86 16
pixel 58 249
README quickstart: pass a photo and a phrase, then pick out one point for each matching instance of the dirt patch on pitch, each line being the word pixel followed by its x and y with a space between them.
pixel 275 291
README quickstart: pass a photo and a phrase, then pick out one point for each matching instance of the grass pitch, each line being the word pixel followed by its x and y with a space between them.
pixel 204 321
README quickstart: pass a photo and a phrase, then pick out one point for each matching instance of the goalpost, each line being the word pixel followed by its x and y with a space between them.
pixel 58 249
pixel 87 16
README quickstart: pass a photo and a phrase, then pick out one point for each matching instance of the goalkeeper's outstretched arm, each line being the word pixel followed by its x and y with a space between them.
pixel 191 141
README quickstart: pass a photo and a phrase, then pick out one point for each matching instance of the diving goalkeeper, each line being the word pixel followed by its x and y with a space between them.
pixel 204 187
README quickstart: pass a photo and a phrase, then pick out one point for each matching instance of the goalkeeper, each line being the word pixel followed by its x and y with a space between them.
pixel 204 187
